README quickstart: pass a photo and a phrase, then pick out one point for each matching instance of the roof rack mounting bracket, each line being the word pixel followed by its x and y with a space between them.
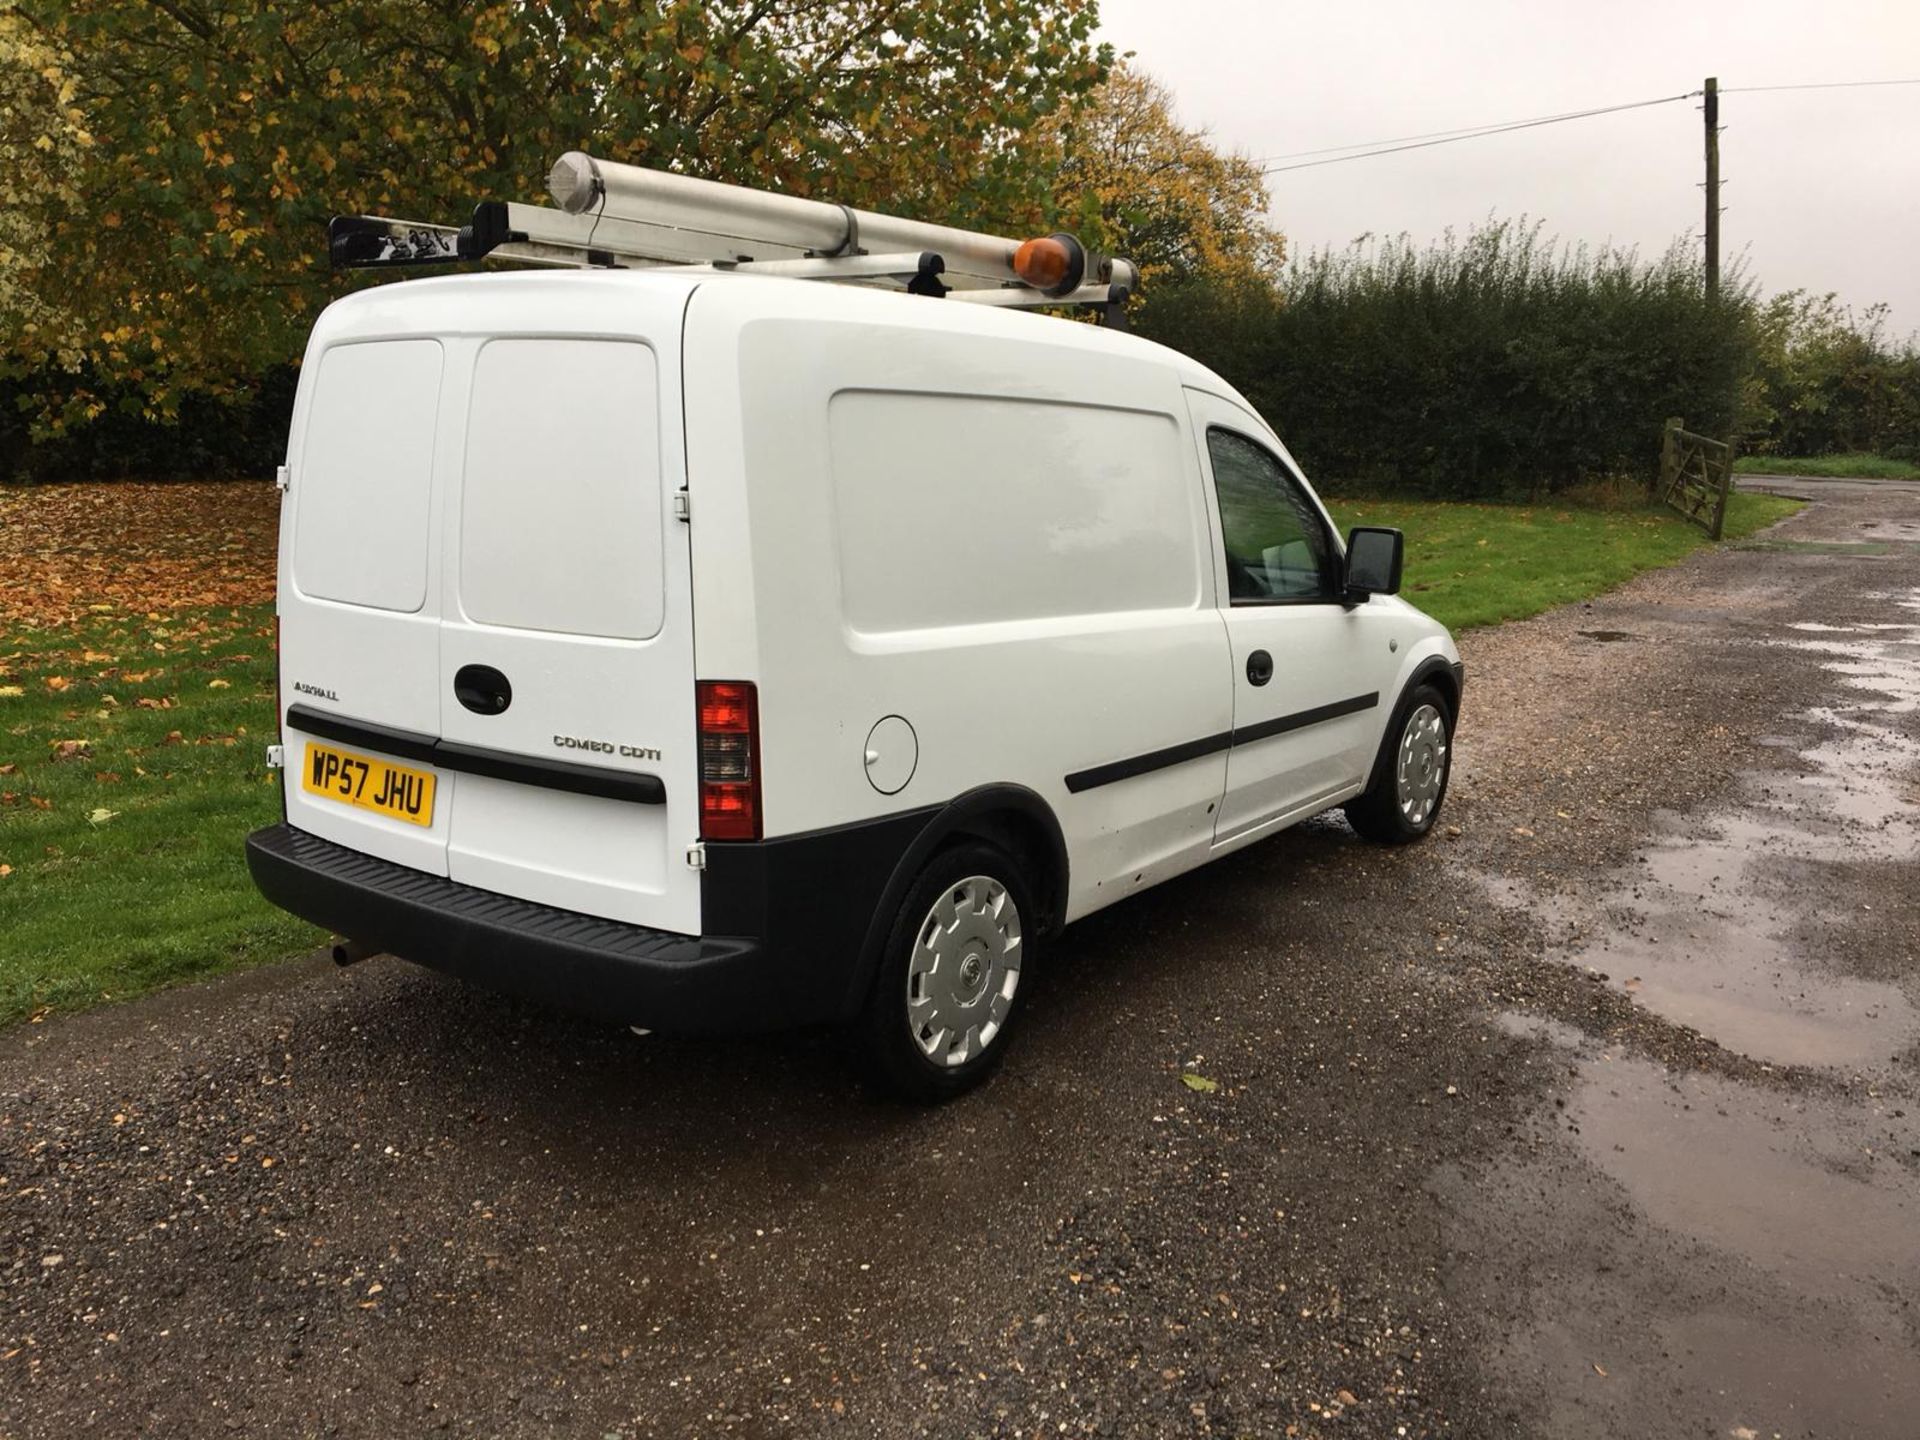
pixel 847 247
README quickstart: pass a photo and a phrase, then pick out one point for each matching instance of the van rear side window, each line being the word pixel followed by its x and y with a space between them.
pixel 964 510
pixel 560 524
pixel 364 480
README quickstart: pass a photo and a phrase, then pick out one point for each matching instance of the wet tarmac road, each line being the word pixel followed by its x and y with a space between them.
pixel 1597 1116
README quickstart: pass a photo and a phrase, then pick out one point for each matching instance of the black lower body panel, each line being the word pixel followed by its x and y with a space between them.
pixel 603 968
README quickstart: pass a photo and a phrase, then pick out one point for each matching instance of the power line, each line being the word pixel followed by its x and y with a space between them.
pixel 1464 131
pixel 1393 145
pixel 1453 137
pixel 1819 85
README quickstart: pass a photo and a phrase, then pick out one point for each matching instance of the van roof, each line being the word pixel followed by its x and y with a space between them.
pixel 385 309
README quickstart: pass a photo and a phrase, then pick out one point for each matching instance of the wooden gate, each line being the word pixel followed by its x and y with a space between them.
pixel 1696 475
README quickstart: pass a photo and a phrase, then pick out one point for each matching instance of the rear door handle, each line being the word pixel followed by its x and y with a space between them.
pixel 482 689
pixel 1259 667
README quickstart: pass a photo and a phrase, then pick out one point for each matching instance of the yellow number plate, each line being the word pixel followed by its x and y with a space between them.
pixel 375 785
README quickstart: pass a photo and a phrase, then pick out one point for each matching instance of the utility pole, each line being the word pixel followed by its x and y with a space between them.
pixel 1711 110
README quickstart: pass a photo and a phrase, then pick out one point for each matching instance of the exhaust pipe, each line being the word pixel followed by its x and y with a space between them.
pixel 351 952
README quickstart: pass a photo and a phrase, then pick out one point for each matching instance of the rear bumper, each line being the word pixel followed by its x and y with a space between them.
pixel 596 967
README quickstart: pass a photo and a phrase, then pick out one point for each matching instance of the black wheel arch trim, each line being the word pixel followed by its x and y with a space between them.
pixel 961 816
pixel 1451 673
pixel 1452 676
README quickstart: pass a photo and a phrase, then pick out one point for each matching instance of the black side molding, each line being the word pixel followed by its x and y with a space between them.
pixel 1152 760
pixel 1193 749
pixel 475 760
pixel 1300 719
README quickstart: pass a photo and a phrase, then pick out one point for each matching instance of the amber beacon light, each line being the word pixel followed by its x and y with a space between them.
pixel 1055 264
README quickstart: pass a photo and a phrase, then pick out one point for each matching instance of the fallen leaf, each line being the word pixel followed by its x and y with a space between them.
pixel 40 802
pixel 5 870
pixel 96 549
pixel 8 768
pixel 71 749
pixel 219 684
pixel 1198 1082
pixel 11 692
pixel 58 682
pixel 100 816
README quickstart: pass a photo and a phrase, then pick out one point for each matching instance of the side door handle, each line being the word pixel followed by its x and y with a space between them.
pixel 1259 667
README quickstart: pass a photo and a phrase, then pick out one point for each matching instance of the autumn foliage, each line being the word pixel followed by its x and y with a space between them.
pixel 1135 180
pixel 205 142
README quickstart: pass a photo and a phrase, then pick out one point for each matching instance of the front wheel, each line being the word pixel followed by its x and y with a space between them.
pixel 935 1024
pixel 1410 776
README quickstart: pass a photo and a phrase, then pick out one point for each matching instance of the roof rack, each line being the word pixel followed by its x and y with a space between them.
pixel 626 216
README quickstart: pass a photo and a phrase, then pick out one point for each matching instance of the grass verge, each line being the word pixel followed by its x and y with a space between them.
pixel 1828 467
pixel 132 764
pixel 131 767
pixel 1481 564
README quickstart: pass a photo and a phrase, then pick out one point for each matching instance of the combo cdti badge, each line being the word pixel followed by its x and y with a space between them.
pixel 712 651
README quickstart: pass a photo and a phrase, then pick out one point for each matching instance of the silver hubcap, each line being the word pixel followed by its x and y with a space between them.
pixel 1423 764
pixel 964 970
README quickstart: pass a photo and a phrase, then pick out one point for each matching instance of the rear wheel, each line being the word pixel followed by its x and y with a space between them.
pixel 1410 775
pixel 935 1024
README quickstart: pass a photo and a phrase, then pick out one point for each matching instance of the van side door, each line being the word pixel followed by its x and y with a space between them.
pixel 1306 694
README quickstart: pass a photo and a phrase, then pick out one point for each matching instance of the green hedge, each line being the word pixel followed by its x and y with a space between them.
pixel 1496 365
pixel 211 438
pixel 1829 383
pixel 1492 366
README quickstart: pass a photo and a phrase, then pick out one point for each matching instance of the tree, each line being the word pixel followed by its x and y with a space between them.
pixel 43 143
pixel 1825 380
pixel 226 131
pixel 1144 186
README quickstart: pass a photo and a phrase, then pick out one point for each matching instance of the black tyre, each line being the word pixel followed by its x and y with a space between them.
pixel 1410 774
pixel 948 985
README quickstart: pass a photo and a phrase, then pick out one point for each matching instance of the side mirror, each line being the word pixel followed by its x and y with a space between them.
pixel 1374 554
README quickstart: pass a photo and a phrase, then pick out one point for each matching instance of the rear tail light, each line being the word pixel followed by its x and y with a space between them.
pixel 729 760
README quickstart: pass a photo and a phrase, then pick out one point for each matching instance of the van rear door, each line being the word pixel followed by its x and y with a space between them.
pixel 360 601
pixel 565 666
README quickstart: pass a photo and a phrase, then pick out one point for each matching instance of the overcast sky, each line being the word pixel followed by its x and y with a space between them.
pixel 1822 187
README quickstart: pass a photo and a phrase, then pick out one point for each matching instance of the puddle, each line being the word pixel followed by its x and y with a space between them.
pixel 1562 916
pixel 1702 922
pixel 1890 530
pixel 1701 1256
pixel 1756 1282
pixel 1524 1026
pixel 1607 636
pixel 1762 1179
pixel 1759 1174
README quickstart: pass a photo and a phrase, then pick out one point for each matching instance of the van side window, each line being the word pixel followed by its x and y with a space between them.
pixel 1277 545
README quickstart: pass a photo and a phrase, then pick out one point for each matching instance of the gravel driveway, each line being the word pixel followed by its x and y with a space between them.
pixel 1594 1114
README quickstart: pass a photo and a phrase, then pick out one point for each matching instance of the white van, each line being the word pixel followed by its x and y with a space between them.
pixel 710 652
